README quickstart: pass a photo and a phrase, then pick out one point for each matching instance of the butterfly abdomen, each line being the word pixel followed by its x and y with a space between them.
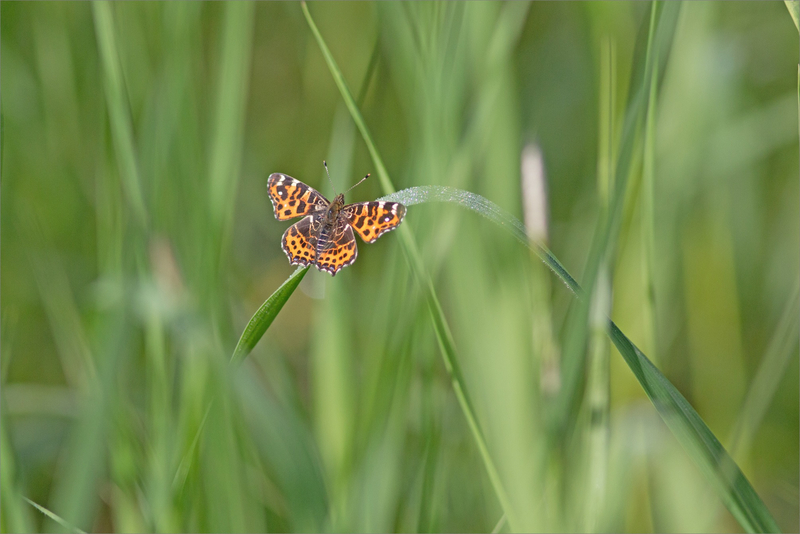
pixel 322 241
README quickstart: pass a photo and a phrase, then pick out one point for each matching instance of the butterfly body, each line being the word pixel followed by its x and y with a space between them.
pixel 324 236
pixel 326 224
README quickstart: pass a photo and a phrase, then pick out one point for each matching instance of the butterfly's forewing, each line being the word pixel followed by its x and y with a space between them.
pixel 298 242
pixel 371 220
pixel 340 251
pixel 292 198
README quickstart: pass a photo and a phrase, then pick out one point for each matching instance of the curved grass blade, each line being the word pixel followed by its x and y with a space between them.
pixel 794 10
pixel 54 517
pixel 650 54
pixel 485 207
pixel 264 316
pixel 702 445
pixel 704 448
pixel 440 325
pixel 685 423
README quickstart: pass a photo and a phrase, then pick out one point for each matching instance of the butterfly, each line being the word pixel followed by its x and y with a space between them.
pixel 324 236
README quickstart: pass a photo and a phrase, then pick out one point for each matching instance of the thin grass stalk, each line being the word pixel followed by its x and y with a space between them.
pixel 734 489
pixel 688 427
pixel 252 333
pixel 771 370
pixel 609 220
pixel 331 354
pixel 121 127
pixel 229 112
pixel 708 453
pixel 441 327
pixel 598 399
pixel 61 522
pixel 545 348
pixel 648 220
pixel 84 463
pixel 13 516
pixel 598 379
pixel 74 496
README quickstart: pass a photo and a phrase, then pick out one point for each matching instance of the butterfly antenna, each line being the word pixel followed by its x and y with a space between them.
pixel 329 175
pixel 361 180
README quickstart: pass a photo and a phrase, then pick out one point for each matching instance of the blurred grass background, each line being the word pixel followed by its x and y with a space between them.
pixel 138 239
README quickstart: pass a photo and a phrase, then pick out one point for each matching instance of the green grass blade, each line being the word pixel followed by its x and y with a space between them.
pixel 658 36
pixel 290 458
pixel 486 208
pixel 13 516
pixel 253 332
pixel 500 524
pixel 440 325
pixel 771 370
pixel 75 496
pixel 733 487
pixel 647 198
pixel 226 146
pixel 338 77
pixel 794 10
pixel 264 316
pixel 684 422
pixel 121 128
pixel 598 385
pixel 54 517
pixel 704 448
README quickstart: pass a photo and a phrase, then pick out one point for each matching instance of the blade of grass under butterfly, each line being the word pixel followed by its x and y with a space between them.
pixel 441 327
pixel 264 316
pixel 686 425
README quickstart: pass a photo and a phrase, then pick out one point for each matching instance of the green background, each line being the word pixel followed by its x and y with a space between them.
pixel 138 239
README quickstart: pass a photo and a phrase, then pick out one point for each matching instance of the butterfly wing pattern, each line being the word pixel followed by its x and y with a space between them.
pixel 298 243
pixel 340 250
pixel 292 198
pixel 373 219
pixel 324 237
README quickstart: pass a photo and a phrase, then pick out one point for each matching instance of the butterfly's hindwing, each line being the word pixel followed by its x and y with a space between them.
pixel 371 220
pixel 292 198
pixel 339 251
pixel 299 243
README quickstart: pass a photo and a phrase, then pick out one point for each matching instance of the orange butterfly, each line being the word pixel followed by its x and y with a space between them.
pixel 324 237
